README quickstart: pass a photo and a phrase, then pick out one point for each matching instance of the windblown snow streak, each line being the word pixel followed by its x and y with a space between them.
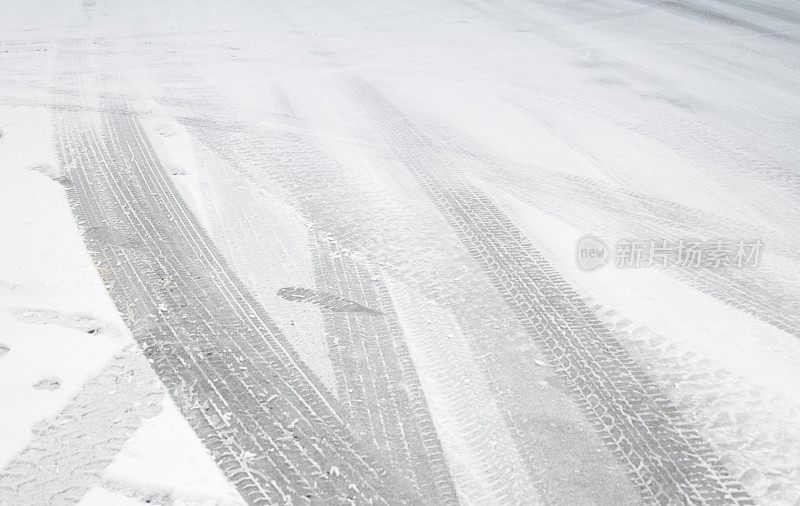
pixel 341 234
pixel 324 194
pixel 376 380
pixel 271 427
pixel 761 293
pixel 667 459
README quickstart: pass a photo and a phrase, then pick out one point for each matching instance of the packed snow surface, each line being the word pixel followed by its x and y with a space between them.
pixel 292 252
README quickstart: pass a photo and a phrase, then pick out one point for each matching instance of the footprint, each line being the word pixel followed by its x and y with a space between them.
pixel 48 383
pixel 4 349
pixel 74 321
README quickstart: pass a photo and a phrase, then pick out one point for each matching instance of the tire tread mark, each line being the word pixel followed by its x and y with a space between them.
pixel 666 458
pixel 228 378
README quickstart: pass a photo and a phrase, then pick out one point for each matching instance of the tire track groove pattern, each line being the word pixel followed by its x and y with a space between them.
pixel 666 458
pixel 271 427
pixel 377 382
pixel 337 204
pixel 751 291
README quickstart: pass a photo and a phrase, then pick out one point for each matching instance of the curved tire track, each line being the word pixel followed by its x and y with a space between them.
pixel 666 458
pixel 271 427
pixel 547 426
pixel 377 381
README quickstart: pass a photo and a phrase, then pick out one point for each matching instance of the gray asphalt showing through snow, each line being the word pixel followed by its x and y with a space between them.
pixel 665 456
pixel 269 424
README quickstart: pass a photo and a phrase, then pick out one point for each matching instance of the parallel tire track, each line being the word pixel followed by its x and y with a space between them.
pixel 485 456
pixel 332 198
pixel 666 458
pixel 762 294
pixel 271 427
pixel 377 382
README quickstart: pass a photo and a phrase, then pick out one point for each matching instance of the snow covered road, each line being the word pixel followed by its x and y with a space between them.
pixel 344 236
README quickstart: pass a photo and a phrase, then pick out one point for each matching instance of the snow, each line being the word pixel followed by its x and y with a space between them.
pixel 48 285
pixel 693 320
pixel 350 136
pixel 59 328
pixel 165 455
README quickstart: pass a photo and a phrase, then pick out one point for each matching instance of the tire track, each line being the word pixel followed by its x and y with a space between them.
pixel 273 431
pixel 666 458
pixel 756 429
pixel 691 11
pixel 548 428
pixel 377 381
pixel 484 458
pixel 763 294
pixel 775 12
